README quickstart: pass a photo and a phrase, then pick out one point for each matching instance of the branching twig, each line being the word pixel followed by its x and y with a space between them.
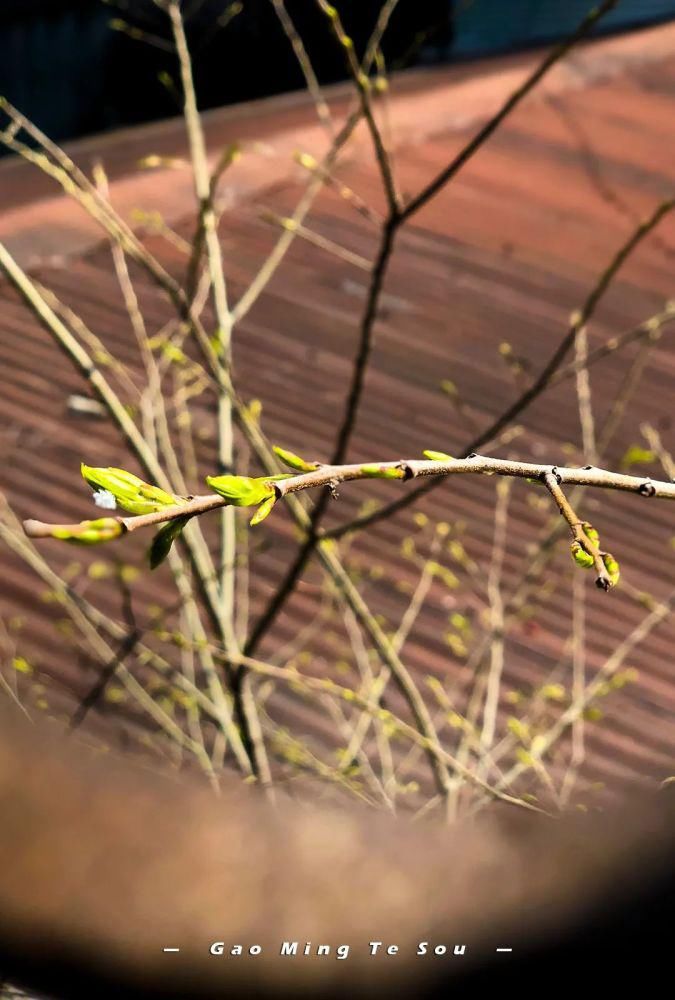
pixel 326 475
pixel 566 719
pixel 550 374
pixel 654 441
pixel 220 602
pixel 556 54
pixel 305 63
pixel 432 747
pixel 576 526
pixel 202 182
pixel 584 396
pixel 84 363
pixel 395 219
pixel 363 89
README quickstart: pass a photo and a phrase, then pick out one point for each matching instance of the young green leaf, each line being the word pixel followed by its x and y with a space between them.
pixel 164 539
pixel 241 491
pixel 117 481
pixel 294 461
pixel 129 492
pixel 438 456
pixel 263 511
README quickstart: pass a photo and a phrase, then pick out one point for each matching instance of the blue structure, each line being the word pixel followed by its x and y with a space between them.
pixel 491 26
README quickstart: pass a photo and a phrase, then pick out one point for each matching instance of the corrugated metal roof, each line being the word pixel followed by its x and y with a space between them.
pixel 505 254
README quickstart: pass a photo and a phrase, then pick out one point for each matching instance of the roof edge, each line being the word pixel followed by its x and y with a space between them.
pixel 39 226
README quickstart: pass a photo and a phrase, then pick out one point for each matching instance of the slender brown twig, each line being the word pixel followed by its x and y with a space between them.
pixel 556 54
pixel 546 378
pixel 404 469
pixel 576 526
pixel 395 219
pixel 363 88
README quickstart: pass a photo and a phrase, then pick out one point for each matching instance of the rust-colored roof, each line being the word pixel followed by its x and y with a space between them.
pixel 503 255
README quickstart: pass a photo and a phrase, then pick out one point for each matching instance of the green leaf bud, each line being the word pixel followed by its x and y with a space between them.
pixel 612 567
pixel 636 455
pixel 580 556
pixel 377 472
pixel 438 456
pixel 263 511
pixel 591 533
pixel 294 461
pixel 130 492
pixel 164 539
pixel 243 491
pixel 103 529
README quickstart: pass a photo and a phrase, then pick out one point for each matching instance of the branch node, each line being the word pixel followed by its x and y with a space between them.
pixel 647 489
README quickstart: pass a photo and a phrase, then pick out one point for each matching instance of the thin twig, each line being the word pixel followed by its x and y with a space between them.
pixel 494 678
pixel 84 363
pixel 363 88
pixel 578 688
pixel 317 240
pixel 325 475
pixel 627 388
pixel 566 719
pixel 654 441
pixel 556 54
pixel 545 378
pixel 576 526
pixel 328 686
pixel 305 63
pixel 584 399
